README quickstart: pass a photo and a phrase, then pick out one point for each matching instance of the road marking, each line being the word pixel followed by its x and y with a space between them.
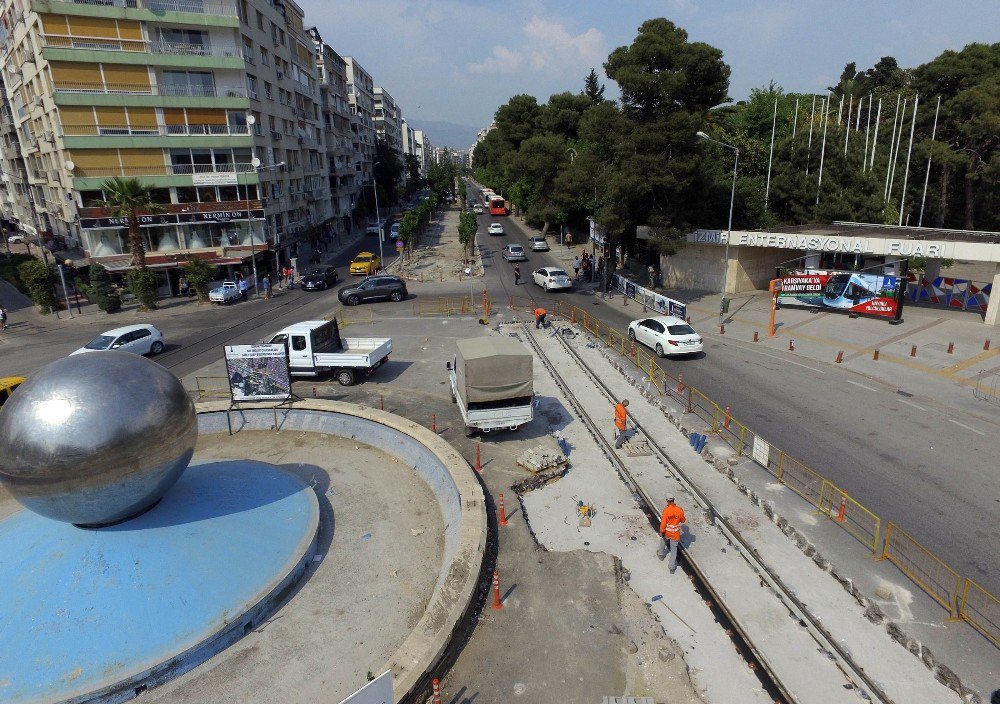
pixel 785 360
pixel 911 403
pixel 861 385
pixel 967 427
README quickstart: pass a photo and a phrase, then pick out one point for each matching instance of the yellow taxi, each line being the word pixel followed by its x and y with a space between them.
pixel 7 386
pixel 365 264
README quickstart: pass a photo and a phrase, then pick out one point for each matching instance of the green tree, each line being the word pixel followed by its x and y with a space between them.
pixel 128 198
pixel 40 280
pixel 592 87
pixel 441 179
pixel 199 274
pixel 413 179
pixel 388 171
pixel 105 296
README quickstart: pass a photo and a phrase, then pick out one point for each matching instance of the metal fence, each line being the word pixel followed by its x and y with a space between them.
pixel 936 578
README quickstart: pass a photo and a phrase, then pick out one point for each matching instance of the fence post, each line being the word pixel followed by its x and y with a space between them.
pixel 690 408
pixel 781 466
pixel 743 432
pixel 715 418
pixel 885 545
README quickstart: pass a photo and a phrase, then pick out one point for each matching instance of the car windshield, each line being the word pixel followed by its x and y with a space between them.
pixel 315 272
pixel 517 249
pixel 557 272
pixel 101 342
pixel 363 258
pixel 681 330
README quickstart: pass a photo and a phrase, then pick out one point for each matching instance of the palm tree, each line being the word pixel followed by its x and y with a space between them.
pixel 127 198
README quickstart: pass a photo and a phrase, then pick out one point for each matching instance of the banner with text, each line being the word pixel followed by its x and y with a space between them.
pixel 870 294
pixel 258 372
pixel 661 304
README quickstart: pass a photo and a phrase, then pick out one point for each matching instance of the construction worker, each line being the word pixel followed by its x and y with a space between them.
pixel 670 532
pixel 620 416
pixel 540 317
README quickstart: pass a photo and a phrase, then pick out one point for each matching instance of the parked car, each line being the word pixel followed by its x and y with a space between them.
pixel 552 278
pixel 15 239
pixel 319 278
pixel 477 209
pixel 374 288
pixel 228 292
pixel 365 264
pixel 495 228
pixel 514 253
pixel 538 244
pixel 139 339
pixel 667 335
pixel 394 231
pixel 373 228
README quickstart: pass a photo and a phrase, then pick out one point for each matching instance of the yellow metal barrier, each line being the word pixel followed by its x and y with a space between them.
pixel 354 316
pixel 982 610
pixel 853 517
pixel 918 563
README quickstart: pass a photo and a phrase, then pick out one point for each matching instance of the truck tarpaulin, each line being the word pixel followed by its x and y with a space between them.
pixel 869 294
pixel 493 369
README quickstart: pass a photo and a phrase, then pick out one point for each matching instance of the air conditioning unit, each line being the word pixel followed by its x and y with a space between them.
pixel 275 135
pixel 281 75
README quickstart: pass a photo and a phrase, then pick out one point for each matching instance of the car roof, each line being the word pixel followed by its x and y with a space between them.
pixel 515 246
pixel 363 254
pixel 128 328
pixel 666 319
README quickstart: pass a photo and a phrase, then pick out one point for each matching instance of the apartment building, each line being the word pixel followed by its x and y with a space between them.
pixel 424 150
pixel 212 103
pixel 343 167
pixel 361 97
pixel 388 120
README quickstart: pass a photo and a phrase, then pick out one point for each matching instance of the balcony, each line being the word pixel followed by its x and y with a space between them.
pixel 164 170
pixel 224 9
pixel 155 131
pixel 138 46
pixel 145 89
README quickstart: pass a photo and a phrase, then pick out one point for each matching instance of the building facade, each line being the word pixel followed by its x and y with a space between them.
pixel 388 120
pixel 361 97
pixel 214 104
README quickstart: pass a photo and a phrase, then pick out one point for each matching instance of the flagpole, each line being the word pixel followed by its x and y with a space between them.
pixel 847 132
pixel 868 125
pixel 899 143
pixel 770 158
pixel 809 144
pixel 927 176
pixel 822 154
pixel 909 151
pixel 892 141
pixel 878 119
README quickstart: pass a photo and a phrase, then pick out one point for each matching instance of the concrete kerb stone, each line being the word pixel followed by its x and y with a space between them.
pixel 458 582
pixel 942 673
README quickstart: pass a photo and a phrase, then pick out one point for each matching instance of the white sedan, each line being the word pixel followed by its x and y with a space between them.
pixel 551 278
pixel 665 334
pixel 138 339
pixel 15 239
pixel 495 228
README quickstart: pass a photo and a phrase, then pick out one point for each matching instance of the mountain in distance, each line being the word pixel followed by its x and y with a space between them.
pixel 447 134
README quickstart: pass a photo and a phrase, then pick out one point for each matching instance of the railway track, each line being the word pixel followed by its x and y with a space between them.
pixel 865 687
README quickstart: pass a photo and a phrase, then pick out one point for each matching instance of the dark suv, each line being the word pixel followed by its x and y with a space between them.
pixel 373 288
pixel 319 278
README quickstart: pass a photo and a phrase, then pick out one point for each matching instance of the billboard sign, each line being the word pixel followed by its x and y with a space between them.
pixel 661 304
pixel 258 372
pixel 378 691
pixel 856 292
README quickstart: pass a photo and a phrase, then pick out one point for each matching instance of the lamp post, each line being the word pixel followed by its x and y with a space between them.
pixel 257 168
pixel 378 217
pixel 729 234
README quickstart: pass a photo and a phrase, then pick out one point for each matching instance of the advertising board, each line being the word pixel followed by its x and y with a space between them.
pixel 856 292
pixel 660 303
pixel 258 372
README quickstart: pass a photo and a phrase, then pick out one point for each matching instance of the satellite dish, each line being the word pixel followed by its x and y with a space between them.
pixel 251 120
pixel 69 165
pixel 255 162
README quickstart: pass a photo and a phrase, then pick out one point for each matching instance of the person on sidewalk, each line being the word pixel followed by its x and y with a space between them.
pixel 621 416
pixel 670 532
pixel 517 275
pixel 576 267
pixel 585 268
pixel 651 272
pixel 3 318
pixel 540 314
pixel 266 285
pixel 244 287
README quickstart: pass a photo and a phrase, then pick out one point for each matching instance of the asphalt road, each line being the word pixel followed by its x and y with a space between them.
pixel 885 445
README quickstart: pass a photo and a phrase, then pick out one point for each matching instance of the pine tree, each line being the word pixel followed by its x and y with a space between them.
pixel 593 89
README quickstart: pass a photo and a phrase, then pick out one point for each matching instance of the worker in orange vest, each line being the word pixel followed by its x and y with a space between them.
pixel 670 532
pixel 540 317
pixel 620 416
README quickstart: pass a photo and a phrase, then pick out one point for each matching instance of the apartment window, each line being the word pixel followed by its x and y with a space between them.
pixel 191 38
pixel 265 58
pixel 247 50
pixel 195 83
pixel 270 122
pixel 242 9
pixel 267 90
pixel 252 86
pixel 260 20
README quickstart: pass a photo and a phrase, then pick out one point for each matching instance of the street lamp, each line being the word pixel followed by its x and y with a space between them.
pixel 729 234
pixel 257 168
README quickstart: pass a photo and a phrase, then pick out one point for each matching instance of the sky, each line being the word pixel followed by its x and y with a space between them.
pixel 459 60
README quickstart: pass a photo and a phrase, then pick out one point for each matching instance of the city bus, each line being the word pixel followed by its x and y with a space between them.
pixel 498 206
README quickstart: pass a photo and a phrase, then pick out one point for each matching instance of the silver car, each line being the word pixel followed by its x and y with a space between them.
pixel 514 253
pixel 538 244
pixel 139 339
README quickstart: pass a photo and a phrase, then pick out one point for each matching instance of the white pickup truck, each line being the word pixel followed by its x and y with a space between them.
pixel 315 347
pixel 226 293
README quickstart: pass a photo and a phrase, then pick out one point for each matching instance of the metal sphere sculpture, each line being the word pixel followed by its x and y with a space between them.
pixel 95 439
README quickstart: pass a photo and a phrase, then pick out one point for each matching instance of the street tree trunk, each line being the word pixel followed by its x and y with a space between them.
pixel 135 243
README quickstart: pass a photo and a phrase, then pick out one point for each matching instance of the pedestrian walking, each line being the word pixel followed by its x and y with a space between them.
pixel 182 286
pixel 651 272
pixel 517 275
pixel 576 267
pixel 291 278
pixel 244 287
pixel 266 285
pixel 585 268
pixel 3 318
pixel 670 532
pixel 621 415
pixel 540 314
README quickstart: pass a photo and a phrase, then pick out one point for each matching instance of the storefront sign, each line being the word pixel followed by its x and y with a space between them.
pixel 171 219
pixel 871 294
pixel 214 178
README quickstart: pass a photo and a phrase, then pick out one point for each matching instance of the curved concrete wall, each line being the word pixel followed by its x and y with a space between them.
pixel 445 471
